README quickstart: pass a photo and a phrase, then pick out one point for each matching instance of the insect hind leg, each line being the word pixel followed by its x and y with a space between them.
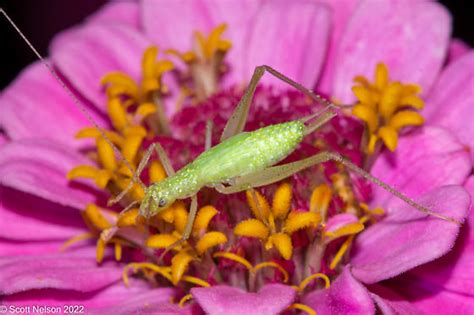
pixel 277 173
pixel 236 122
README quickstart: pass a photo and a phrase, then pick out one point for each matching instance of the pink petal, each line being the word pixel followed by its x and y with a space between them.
pixel 341 12
pixel 411 37
pixel 3 139
pixel 451 105
pixel 389 303
pixel 171 24
pixel 138 298
pixel 26 217
pixel 240 18
pixel 120 12
pixel 21 248
pixel 291 39
pixel 340 220
pixel 36 105
pixel 448 280
pixel 70 270
pixel 407 238
pixel 221 299
pixel 457 49
pixel 39 167
pixel 426 159
pixel 345 296
pixel 85 54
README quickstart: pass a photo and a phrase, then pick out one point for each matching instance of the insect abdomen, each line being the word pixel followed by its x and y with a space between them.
pixel 248 152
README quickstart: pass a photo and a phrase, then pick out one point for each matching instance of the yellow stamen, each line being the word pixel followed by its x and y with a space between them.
pixel 118 251
pixel 145 109
pixel 179 265
pixel 258 204
pixel 187 57
pixel 100 249
pixel 320 200
pixel 381 76
pixel 101 177
pixel 136 192
pixel 301 220
pixel 204 216
pixel 128 218
pixel 131 146
pixel 372 143
pixel 348 229
pixel 375 211
pixel 196 281
pixel 390 99
pixel 252 228
pixel 152 71
pixel 283 244
pixel 310 278
pixel 167 215
pixel 163 66
pixel 148 61
pixel 282 201
pixel 162 240
pixel 381 107
pixel 180 216
pixel 363 94
pixel 272 264
pixel 389 136
pixel 119 79
pixel 340 253
pixel 234 257
pixel 184 299
pixel 94 215
pixel 362 81
pixel 135 130
pixel 302 307
pixel 406 118
pixel 92 132
pixel 156 172
pixel 209 240
pixel 163 271
pixel 75 239
pixel 368 115
pixel 106 154
pixel 117 113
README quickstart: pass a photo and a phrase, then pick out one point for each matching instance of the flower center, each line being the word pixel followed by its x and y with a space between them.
pixel 241 240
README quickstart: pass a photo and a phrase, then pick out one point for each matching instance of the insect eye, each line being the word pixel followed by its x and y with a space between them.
pixel 162 202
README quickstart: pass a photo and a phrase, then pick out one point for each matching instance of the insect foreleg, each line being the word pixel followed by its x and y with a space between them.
pixel 277 173
pixel 236 122
pixel 141 166
pixel 188 228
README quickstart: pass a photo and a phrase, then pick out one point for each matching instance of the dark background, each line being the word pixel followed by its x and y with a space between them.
pixel 41 19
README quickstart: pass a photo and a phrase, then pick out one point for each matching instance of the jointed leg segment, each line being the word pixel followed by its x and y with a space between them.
pixel 163 157
pixel 236 122
pixel 188 228
pixel 277 173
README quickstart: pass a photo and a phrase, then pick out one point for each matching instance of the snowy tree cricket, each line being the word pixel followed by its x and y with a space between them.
pixel 241 161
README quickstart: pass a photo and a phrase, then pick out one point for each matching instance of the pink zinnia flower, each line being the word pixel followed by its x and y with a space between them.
pixel 403 262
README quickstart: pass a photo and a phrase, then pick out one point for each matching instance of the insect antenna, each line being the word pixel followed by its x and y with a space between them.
pixel 70 93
